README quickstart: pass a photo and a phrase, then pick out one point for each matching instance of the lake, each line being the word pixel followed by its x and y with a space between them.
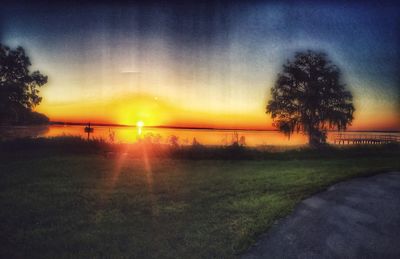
pixel 132 134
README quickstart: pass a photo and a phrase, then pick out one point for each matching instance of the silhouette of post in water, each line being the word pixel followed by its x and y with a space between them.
pixel 88 130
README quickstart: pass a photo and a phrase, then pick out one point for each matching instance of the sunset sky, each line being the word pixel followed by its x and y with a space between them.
pixel 202 65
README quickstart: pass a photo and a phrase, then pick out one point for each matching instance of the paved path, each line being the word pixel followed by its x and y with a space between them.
pixel 359 218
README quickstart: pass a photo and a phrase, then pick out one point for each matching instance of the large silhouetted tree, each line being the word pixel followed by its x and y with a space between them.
pixel 18 86
pixel 309 96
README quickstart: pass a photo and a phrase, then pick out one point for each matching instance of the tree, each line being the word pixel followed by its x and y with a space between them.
pixel 309 96
pixel 19 92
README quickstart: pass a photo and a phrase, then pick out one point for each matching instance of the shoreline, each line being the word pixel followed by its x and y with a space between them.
pixel 180 128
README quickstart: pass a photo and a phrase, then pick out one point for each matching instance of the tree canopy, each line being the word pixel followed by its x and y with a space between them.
pixel 309 96
pixel 19 92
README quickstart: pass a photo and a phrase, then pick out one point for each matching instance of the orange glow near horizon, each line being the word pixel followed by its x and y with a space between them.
pixel 130 110
pixel 165 98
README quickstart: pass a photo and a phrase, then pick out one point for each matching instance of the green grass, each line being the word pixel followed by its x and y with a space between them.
pixel 68 206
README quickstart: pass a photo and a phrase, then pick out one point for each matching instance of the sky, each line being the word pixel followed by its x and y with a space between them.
pixel 209 64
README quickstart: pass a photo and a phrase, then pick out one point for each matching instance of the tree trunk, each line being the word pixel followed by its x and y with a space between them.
pixel 316 137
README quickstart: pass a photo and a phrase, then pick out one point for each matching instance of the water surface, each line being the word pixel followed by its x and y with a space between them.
pixel 120 134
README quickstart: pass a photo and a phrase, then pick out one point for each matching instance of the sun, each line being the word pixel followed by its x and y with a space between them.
pixel 140 124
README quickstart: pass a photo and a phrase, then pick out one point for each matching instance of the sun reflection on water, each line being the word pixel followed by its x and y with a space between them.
pixel 139 126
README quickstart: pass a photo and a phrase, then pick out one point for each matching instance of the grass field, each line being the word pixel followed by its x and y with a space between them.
pixel 85 205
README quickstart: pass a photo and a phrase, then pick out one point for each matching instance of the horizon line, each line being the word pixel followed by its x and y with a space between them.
pixel 194 128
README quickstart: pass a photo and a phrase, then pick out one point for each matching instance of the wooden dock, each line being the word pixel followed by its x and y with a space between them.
pixel 349 138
